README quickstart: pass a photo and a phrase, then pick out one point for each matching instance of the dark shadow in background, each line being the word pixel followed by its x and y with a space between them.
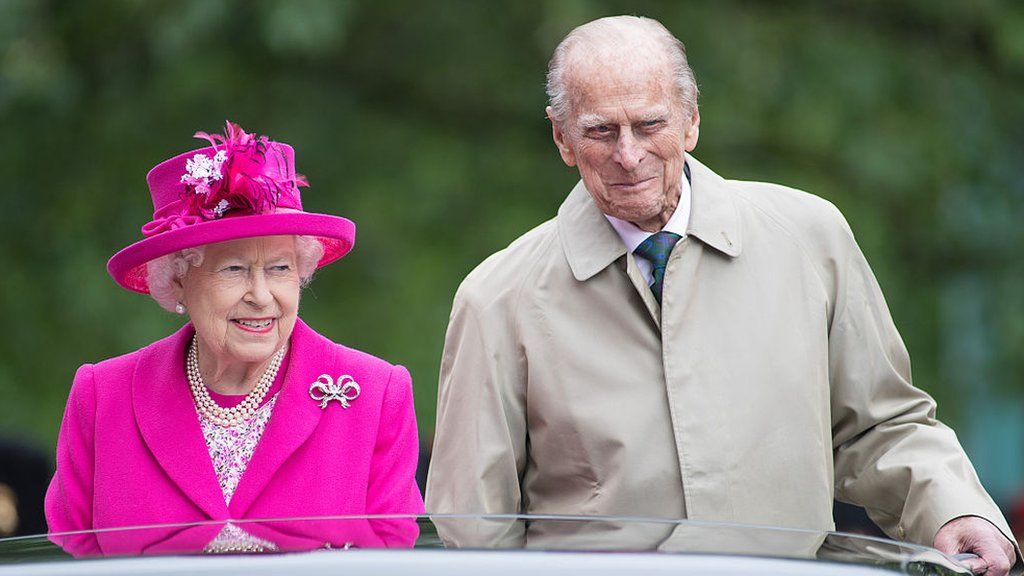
pixel 24 475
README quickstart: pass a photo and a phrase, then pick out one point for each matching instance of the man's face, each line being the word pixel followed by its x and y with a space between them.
pixel 627 132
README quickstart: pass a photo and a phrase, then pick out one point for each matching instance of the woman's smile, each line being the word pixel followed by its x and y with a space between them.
pixel 256 325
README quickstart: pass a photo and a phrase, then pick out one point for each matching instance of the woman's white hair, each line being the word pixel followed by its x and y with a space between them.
pixel 162 272
pixel 615 34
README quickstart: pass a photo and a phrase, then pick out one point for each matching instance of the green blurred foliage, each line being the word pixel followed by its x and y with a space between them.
pixel 423 122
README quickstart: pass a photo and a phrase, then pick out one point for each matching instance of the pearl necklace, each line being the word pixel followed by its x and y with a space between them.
pixel 245 410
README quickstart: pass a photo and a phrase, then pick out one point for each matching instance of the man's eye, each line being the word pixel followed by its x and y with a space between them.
pixel 651 123
pixel 602 130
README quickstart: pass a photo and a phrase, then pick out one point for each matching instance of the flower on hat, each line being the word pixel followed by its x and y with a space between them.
pixel 247 173
pixel 201 171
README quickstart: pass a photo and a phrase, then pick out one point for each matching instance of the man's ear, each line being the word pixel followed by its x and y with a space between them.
pixel 693 132
pixel 566 151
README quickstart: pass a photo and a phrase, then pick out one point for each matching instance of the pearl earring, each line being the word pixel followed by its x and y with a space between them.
pixel 180 308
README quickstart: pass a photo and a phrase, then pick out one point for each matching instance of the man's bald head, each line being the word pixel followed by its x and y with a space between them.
pixel 611 45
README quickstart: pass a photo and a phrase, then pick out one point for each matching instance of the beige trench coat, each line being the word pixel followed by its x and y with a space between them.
pixel 771 378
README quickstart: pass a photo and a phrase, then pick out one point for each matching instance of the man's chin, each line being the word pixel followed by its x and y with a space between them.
pixel 636 214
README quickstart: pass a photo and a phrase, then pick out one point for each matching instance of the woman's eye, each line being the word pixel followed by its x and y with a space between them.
pixel 281 268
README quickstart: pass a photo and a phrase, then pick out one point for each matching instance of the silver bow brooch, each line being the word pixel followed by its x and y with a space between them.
pixel 326 389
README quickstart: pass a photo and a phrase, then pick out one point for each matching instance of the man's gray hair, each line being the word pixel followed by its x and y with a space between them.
pixel 619 31
pixel 163 271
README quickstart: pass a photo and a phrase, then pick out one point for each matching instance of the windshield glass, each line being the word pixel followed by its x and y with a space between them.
pixel 483 532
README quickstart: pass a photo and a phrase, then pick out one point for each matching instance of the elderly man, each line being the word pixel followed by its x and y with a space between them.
pixel 675 344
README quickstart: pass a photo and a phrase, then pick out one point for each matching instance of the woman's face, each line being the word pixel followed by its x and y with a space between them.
pixel 244 298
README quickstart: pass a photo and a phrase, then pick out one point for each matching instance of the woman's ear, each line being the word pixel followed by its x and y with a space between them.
pixel 179 289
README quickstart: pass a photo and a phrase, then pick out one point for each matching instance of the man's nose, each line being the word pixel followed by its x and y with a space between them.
pixel 628 152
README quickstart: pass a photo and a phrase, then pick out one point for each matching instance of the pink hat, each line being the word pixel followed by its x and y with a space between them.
pixel 242 186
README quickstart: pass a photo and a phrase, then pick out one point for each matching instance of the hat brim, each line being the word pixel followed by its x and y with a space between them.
pixel 337 234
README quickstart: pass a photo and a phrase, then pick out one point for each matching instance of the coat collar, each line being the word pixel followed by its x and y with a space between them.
pixel 714 219
pixel 591 244
pixel 167 419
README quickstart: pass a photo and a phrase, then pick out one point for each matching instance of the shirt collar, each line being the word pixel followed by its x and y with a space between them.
pixel 591 243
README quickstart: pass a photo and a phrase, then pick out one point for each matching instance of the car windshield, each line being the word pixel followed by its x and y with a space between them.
pixel 661 538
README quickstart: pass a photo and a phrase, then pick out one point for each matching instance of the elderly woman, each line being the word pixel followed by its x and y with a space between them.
pixel 245 412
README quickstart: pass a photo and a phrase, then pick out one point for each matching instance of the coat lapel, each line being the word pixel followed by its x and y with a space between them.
pixel 641 287
pixel 588 240
pixel 294 418
pixel 167 419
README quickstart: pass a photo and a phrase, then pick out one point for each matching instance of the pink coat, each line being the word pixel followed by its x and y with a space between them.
pixel 131 451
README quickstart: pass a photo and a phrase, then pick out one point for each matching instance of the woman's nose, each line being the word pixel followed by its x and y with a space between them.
pixel 259 292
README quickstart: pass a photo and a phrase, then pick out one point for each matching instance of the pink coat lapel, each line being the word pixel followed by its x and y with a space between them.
pixel 294 418
pixel 167 419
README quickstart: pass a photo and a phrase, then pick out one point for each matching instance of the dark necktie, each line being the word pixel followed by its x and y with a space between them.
pixel 655 250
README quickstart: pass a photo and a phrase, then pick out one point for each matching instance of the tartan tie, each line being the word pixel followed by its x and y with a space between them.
pixel 655 250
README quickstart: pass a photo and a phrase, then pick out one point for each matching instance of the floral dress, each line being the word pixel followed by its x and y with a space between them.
pixel 231 448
